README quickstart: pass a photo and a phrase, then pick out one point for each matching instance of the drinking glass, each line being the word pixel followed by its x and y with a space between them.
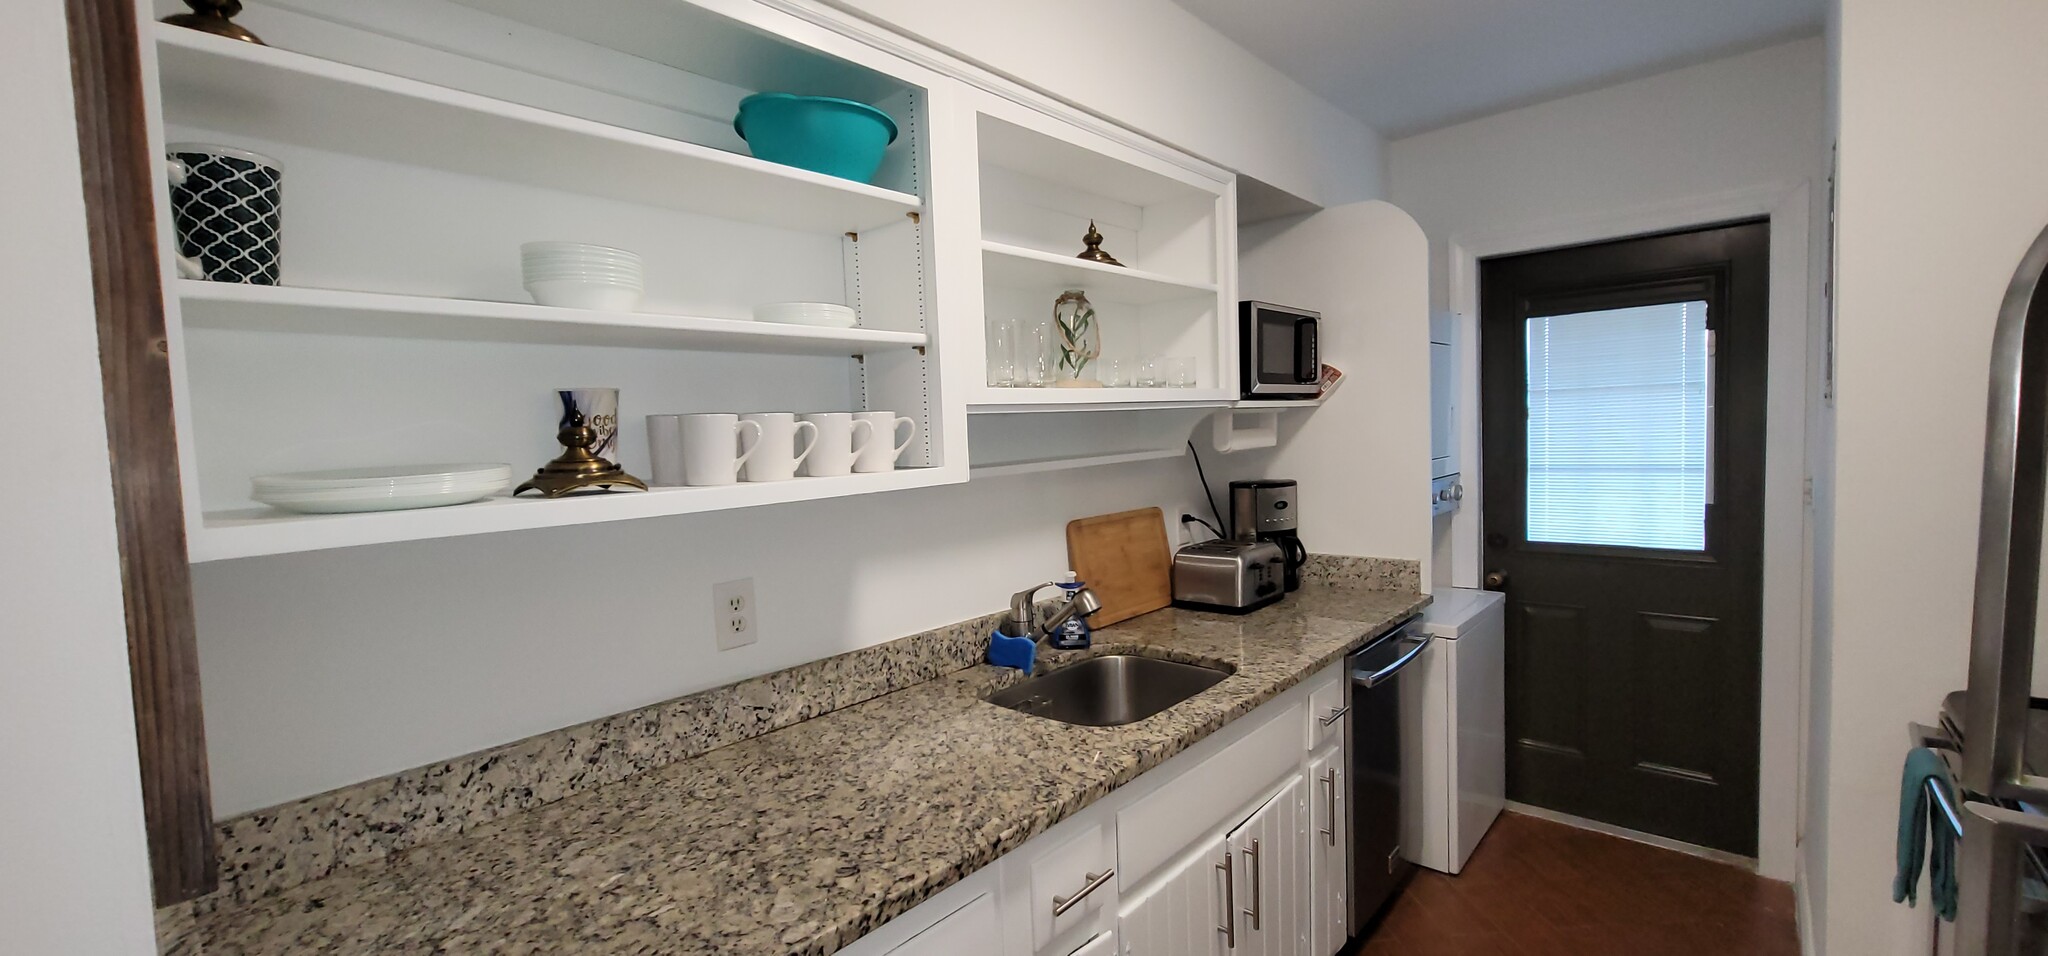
pixel 1148 374
pixel 1002 353
pixel 1116 373
pixel 1037 348
pixel 1180 371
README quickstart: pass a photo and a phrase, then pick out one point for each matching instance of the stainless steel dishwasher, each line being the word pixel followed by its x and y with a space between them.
pixel 1373 739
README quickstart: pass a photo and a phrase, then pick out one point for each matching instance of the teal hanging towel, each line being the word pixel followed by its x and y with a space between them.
pixel 1918 818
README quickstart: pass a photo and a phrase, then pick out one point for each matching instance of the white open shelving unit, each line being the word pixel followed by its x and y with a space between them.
pixel 418 155
pixel 1171 221
pixel 423 140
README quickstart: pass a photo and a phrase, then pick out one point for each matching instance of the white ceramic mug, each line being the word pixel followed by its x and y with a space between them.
pixel 841 439
pixel 665 446
pixel 880 452
pixel 711 448
pixel 781 447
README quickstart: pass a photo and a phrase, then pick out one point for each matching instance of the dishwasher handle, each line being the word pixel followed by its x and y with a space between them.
pixel 1370 679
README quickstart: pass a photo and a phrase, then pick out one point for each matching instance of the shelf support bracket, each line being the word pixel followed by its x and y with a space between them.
pixel 1232 430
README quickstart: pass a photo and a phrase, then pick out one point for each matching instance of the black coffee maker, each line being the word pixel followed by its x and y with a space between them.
pixel 1266 510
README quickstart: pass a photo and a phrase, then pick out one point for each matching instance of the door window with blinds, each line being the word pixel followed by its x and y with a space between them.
pixel 1620 406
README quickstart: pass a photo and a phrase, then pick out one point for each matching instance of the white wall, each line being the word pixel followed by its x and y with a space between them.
pixel 1726 139
pixel 1363 458
pixel 1941 192
pixel 1154 67
pixel 322 669
pixel 76 876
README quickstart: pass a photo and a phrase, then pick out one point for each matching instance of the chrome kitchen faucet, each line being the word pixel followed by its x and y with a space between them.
pixel 1023 613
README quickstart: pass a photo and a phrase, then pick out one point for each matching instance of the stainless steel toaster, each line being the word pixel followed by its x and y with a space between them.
pixel 1229 576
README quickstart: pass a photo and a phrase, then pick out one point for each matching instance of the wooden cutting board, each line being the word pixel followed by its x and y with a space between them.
pixel 1123 558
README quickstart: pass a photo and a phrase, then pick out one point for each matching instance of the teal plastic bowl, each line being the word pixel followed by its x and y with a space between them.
pixel 823 134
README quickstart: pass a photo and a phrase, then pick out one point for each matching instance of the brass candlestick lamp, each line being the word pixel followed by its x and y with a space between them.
pixel 576 468
pixel 215 17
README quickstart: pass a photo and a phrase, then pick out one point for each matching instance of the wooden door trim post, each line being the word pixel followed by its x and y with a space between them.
pixel 163 653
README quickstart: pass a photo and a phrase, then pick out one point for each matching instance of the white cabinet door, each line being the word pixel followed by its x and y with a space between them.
pixel 1271 871
pixel 969 929
pixel 1329 849
pixel 1182 915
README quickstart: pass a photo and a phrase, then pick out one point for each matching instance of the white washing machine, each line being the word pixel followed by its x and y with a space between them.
pixel 1454 729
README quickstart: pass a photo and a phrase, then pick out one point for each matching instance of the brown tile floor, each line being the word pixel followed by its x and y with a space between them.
pixel 1537 888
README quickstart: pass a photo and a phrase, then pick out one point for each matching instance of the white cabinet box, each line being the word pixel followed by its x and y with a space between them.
pixel 970 929
pixel 1454 730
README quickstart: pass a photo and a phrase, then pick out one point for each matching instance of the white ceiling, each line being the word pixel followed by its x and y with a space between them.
pixel 1405 66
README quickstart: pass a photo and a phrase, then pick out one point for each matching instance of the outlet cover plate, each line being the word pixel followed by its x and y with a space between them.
pixel 735 619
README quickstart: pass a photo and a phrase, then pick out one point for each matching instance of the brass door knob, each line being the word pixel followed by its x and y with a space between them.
pixel 1496 581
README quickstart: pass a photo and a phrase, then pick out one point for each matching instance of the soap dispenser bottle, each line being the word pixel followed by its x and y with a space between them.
pixel 1074 634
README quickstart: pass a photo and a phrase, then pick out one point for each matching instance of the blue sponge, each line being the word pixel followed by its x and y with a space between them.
pixel 1007 651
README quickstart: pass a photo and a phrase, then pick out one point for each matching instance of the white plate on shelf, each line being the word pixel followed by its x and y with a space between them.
pixel 347 490
pixel 824 314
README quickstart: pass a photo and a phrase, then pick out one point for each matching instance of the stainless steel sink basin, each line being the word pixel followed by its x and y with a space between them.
pixel 1110 690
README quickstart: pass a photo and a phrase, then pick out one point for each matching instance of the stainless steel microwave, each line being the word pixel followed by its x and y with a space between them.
pixel 1277 354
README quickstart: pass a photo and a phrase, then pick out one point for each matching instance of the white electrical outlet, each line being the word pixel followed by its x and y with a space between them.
pixel 733 614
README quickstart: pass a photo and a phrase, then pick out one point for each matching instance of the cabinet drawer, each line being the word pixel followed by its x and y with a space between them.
pixel 1073 890
pixel 1328 694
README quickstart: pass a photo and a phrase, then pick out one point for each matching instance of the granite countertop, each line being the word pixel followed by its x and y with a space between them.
pixel 805 839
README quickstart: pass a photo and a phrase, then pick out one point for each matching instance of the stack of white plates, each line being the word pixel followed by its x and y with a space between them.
pixel 806 313
pixel 381 489
pixel 578 275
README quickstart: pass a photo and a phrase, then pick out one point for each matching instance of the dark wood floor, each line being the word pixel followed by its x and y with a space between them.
pixel 1537 888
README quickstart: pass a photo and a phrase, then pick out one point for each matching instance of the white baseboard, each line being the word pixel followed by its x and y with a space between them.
pixel 1802 915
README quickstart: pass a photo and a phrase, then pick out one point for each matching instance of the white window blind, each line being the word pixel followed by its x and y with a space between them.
pixel 1618 427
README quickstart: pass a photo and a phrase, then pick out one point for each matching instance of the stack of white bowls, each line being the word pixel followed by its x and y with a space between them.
pixel 381 489
pixel 578 275
pixel 825 314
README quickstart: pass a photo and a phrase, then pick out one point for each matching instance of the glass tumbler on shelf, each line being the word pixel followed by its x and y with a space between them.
pixel 1116 373
pixel 1035 353
pixel 1148 374
pixel 1180 371
pixel 1003 369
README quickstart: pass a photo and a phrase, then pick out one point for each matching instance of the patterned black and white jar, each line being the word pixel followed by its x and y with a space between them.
pixel 225 204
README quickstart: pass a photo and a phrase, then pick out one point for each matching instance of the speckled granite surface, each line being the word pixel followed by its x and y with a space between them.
pixel 286 845
pixel 796 841
pixel 1377 574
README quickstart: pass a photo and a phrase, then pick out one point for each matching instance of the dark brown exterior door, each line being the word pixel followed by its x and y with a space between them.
pixel 1622 393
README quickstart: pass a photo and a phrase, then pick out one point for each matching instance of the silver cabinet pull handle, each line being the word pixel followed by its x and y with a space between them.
pixel 1334 716
pixel 1330 788
pixel 1252 852
pixel 1061 904
pixel 1229 927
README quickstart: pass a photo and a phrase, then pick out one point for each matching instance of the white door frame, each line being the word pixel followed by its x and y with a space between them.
pixel 1781 747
